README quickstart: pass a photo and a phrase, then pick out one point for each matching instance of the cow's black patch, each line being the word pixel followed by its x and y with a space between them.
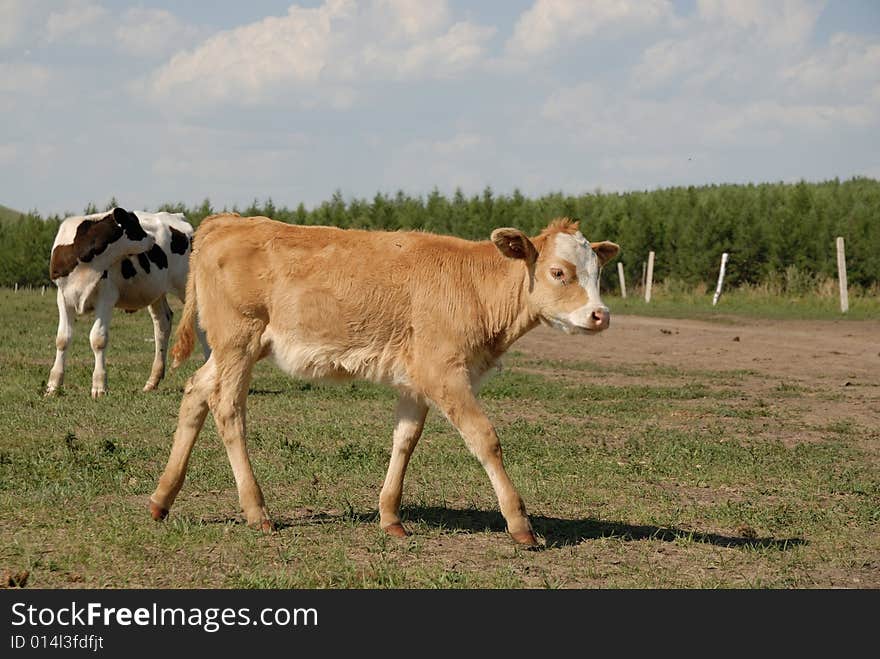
pixel 179 242
pixel 144 261
pixel 92 238
pixel 129 223
pixel 104 276
pixel 128 270
pixel 157 256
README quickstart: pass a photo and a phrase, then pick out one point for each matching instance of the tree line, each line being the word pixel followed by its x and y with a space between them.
pixel 770 230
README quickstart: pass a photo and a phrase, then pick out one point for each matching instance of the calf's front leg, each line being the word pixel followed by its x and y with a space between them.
pixel 456 400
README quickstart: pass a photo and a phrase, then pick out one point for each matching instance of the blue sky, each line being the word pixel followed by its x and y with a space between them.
pixel 155 102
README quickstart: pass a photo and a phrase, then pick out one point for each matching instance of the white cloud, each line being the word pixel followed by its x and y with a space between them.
pixel 23 78
pixel 337 44
pixel 459 143
pixel 152 32
pixel 78 22
pixel 773 117
pixel 412 19
pixel 589 115
pixel 730 42
pixel 780 22
pixel 549 24
pixel 137 32
pixel 246 60
pixel 456 50
pixel 12 18
pixel 463 160
pixel 623 123
pixel 654 164
pixel 8 153
pixel 228 164
pixel 848 66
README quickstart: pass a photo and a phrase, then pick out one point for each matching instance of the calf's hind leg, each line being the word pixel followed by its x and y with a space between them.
pixel 229 406
pixel 193 410
pixel 410 419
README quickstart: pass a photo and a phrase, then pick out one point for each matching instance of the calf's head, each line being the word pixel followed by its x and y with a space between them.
pixel 564 269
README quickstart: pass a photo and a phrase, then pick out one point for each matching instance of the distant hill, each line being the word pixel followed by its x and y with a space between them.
pixel 8 214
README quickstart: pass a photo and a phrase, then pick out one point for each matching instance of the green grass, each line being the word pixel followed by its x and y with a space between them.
pixel 743 302
pixel 8 214
pixel 683 482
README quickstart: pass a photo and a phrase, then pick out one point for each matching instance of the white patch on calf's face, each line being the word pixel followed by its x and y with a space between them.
pixel 575 250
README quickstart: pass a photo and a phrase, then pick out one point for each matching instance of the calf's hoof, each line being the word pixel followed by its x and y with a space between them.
pixel 98 393
pixel 396 530
pixel 157 512
pixel 263 525
pixel 525 538
pixel 151 386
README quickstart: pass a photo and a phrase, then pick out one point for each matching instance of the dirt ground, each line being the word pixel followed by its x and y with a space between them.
pixel 837 361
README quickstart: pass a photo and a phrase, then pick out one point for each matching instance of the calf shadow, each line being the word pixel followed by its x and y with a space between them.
pixel 559 532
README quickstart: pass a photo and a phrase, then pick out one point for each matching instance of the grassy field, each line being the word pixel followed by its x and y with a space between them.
pixel 818 301
pixel 639 476
pixel 8 214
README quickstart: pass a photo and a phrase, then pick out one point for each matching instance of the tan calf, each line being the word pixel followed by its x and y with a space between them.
pixel 426 314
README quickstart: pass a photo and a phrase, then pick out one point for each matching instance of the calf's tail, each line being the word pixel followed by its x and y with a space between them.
pixel 184 339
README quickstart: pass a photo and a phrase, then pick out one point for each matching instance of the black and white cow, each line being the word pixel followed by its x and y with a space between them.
pixel 124 259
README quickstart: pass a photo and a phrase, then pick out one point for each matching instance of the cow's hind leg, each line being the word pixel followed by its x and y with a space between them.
pixel 229 406
pixel 410 419
pixel 161 314
pixel 456 399
pixel 98 338
pixel 62 341
pixel 193 410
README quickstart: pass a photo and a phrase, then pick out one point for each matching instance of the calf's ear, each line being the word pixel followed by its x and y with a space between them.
pixel 605 251
pixel 514 244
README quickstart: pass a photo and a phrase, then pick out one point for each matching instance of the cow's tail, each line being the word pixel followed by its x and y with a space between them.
pixel 184 339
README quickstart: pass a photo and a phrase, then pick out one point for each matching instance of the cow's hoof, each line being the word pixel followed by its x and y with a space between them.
pixel 157 512
pixel 98 393
pixel 50 392
pixel 396 530
pixel 525 538
pixel 149 386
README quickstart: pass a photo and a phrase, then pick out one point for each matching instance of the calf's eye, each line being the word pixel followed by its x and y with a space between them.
pixel 557 273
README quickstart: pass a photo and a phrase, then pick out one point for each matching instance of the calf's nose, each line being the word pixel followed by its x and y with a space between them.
pixel 600 319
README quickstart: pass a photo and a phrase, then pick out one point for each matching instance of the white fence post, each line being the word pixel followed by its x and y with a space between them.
pixel 622 280
pixel 649 279
pixel 16 287
pixel 715 297
pixel 841 275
